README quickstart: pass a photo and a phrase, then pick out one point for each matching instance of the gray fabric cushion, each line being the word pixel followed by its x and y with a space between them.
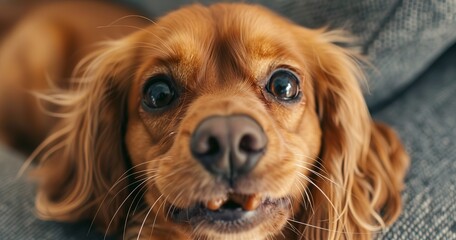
pixel 17 219
pixel 400 37
pixel 425 117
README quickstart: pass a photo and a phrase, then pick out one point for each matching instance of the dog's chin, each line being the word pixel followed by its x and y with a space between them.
pixel 237 215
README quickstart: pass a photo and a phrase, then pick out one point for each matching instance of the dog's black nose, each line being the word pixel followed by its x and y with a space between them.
pixel 228 146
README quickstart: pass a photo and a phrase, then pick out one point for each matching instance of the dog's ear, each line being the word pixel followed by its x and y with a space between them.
pixel 364 161
pixel 82 164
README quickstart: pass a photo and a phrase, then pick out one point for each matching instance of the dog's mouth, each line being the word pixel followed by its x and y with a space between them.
pixel 234 213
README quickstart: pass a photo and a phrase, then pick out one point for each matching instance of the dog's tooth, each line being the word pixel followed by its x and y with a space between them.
pixel 215 204
pixel 252 202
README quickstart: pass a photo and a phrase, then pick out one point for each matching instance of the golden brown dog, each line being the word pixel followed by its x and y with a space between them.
pixel 220 122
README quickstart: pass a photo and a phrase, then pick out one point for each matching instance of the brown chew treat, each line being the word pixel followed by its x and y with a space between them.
pixel 248 202
pixel 215 204
pixel 252 203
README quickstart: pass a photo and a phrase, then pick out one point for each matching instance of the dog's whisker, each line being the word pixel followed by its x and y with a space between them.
pixel 173 202
pixel 136 174
pixel 196 230
pixel 329 230
pixel 139 202
pixel 147 215
pixel 142 182
pixel 290 202
pixel 176 171
pixel 120 179
pixel 272 237
pixel 156 215
pixel 126 26
pixel 318 174
pixel 309 225
pixel 129 172
pixel 322 192
pixel 292 228
pixel 316 160
pixel 304 192
pixel 313 165
pixel 132 16
pixel 139 192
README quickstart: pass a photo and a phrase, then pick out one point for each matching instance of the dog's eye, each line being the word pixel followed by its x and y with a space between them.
pixel 284 85
pixel 158 93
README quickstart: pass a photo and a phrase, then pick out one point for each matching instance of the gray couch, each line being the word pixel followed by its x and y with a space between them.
pixel 412 43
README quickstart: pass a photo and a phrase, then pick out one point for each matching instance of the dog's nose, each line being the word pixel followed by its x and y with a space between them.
pixel 228 146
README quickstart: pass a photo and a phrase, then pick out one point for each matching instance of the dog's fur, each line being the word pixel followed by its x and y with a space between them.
pixel 103 157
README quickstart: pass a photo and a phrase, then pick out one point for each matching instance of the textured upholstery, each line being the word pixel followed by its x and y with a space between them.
pixel 425 117
pixel 402 38
pixel 17 219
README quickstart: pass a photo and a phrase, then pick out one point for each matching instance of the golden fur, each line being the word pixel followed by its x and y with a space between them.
pixel 102 157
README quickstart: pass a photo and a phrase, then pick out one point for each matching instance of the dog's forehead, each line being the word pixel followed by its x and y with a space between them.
pixel 223 39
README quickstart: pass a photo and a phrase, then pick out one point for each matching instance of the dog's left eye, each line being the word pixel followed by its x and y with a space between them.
pixel 159 93
pixel 284 85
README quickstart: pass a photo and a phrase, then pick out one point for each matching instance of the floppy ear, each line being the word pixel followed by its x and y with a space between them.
pixel 85 156
pixel 365 161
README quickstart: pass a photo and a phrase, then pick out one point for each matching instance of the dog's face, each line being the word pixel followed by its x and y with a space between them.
pixel 237 124
pixel 222 119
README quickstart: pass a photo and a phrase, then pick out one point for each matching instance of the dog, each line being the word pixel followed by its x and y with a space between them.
pixel 214 122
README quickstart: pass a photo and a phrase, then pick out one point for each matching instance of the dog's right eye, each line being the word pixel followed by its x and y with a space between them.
pixel 158 93
pixel 284 85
